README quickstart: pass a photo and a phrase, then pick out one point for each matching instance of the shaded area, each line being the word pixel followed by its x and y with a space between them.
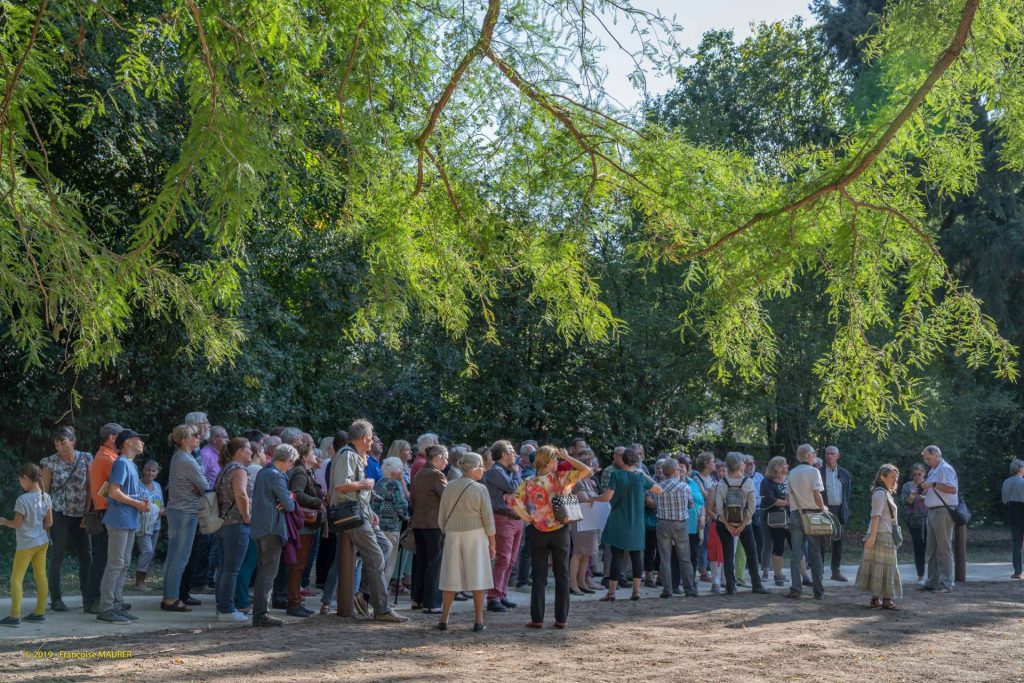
pixel 749 638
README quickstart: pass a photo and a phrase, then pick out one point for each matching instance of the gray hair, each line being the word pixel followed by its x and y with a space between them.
pixel 152 463
pixel 919 466
pixel 734 460
pixel 804 452
pixel 326 443
pixel 392 465
pixel 456 452
pixel 291 435
pixel 218 431
pixel 285 453
pixel 1016 466
pixel 424 441
pixel 359 429
pixel 196 418
pixel 669 467
pixel 832 448
pixel 271 442
pixel 747 457
pixel 470 461
pixel 774 465
pixel 934 450
pixel 526 449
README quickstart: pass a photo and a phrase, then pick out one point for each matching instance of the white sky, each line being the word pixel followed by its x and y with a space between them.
pixel 696 17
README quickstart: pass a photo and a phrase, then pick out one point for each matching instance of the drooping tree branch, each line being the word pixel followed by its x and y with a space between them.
pixel 12 79
pixel 482 44
pixel 946 59
pixel 350 63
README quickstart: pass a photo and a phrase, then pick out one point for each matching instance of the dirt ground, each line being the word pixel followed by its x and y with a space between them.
pixel 973 634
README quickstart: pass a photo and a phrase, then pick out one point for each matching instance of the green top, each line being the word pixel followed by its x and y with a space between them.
pixel 625 527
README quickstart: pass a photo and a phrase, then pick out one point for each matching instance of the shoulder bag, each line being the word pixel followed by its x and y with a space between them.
pixel 348 514
pixel 820 523
pixel 777 518
pixel 961 514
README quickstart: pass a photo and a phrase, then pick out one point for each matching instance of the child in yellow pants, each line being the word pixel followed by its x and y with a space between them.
pixel 33 516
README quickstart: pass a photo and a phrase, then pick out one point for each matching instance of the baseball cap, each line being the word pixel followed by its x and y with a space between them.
pixel 126 434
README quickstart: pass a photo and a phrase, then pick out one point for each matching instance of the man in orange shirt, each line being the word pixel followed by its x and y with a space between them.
pixel 99 473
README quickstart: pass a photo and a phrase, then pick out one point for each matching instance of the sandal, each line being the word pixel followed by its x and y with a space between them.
pixel 890 606
pixel 875 603
pixel 634 596
pixel 176 606
pixel 608 598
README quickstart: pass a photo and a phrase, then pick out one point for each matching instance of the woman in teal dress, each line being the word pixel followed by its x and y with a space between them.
pixel 624 530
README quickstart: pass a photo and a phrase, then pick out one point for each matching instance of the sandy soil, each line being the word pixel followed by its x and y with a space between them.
pixel 971 635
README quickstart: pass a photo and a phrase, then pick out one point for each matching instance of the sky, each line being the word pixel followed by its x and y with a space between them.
pixel 696 17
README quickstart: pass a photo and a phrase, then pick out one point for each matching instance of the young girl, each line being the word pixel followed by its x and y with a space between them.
pixel 33 516
pixel 149 524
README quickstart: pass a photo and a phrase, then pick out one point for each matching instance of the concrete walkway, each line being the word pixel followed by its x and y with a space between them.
pixel 76 624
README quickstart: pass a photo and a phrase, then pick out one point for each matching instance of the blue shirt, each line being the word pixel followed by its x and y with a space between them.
pixel 373 470
pixel 121 515
pixel 271 488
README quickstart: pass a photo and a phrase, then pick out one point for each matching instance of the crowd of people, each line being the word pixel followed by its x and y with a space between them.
pixel 257 518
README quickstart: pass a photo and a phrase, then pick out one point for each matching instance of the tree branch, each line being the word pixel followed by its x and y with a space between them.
pixel 343 86
pixel 447 184
pixel 483 43
pixel 946 60
pixel 13 79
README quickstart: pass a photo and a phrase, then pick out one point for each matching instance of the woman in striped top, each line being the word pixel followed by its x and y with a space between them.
pixel 185 486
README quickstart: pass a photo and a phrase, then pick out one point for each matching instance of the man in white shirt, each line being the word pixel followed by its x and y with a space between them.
pixel 837 497
pixel 941 493
pixel 805 487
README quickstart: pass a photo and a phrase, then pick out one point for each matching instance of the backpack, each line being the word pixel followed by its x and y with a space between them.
pixel 211 519
pixel 735 502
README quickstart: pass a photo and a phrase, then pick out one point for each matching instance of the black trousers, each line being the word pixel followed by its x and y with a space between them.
pixel 65 528
pixel 556 545
pixel 324 558
pixel 919 536
pixel 199 561
pixel 650 559
pixel 729 550
pixel 524 565
pixel 91 596
pixel 426 571
pixel 837 546
pixel 618 558
pixel 694 550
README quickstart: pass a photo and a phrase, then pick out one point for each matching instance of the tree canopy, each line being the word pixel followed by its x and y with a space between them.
pixel 434 157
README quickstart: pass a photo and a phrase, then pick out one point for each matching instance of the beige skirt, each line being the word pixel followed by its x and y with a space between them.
pixel 879 574
pixel 466 562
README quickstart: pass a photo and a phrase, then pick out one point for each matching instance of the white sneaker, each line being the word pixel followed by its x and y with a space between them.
pixel 235 616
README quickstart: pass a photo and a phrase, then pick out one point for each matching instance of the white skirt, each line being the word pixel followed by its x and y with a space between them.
pixel 466 562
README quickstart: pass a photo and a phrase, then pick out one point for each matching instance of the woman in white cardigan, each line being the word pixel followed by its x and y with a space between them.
pixel 467 522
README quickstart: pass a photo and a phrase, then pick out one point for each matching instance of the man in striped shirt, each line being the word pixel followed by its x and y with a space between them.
pixel 674 503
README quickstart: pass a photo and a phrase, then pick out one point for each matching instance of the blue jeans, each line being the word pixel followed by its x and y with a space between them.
pixel 814 558
pixel 248 568
pixel 181 529
pixel 234 541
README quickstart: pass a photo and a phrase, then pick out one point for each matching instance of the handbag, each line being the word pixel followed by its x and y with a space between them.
pixel 407 540
pixel 897 535
pixel 345 515
pixel 777 518
pixel 820 523
pixel 961 514
pixel 566 508
pixel 310 518
pixel 92 520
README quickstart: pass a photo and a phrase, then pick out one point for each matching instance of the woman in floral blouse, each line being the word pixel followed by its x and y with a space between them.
pixel 532 502
pixel 65 475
